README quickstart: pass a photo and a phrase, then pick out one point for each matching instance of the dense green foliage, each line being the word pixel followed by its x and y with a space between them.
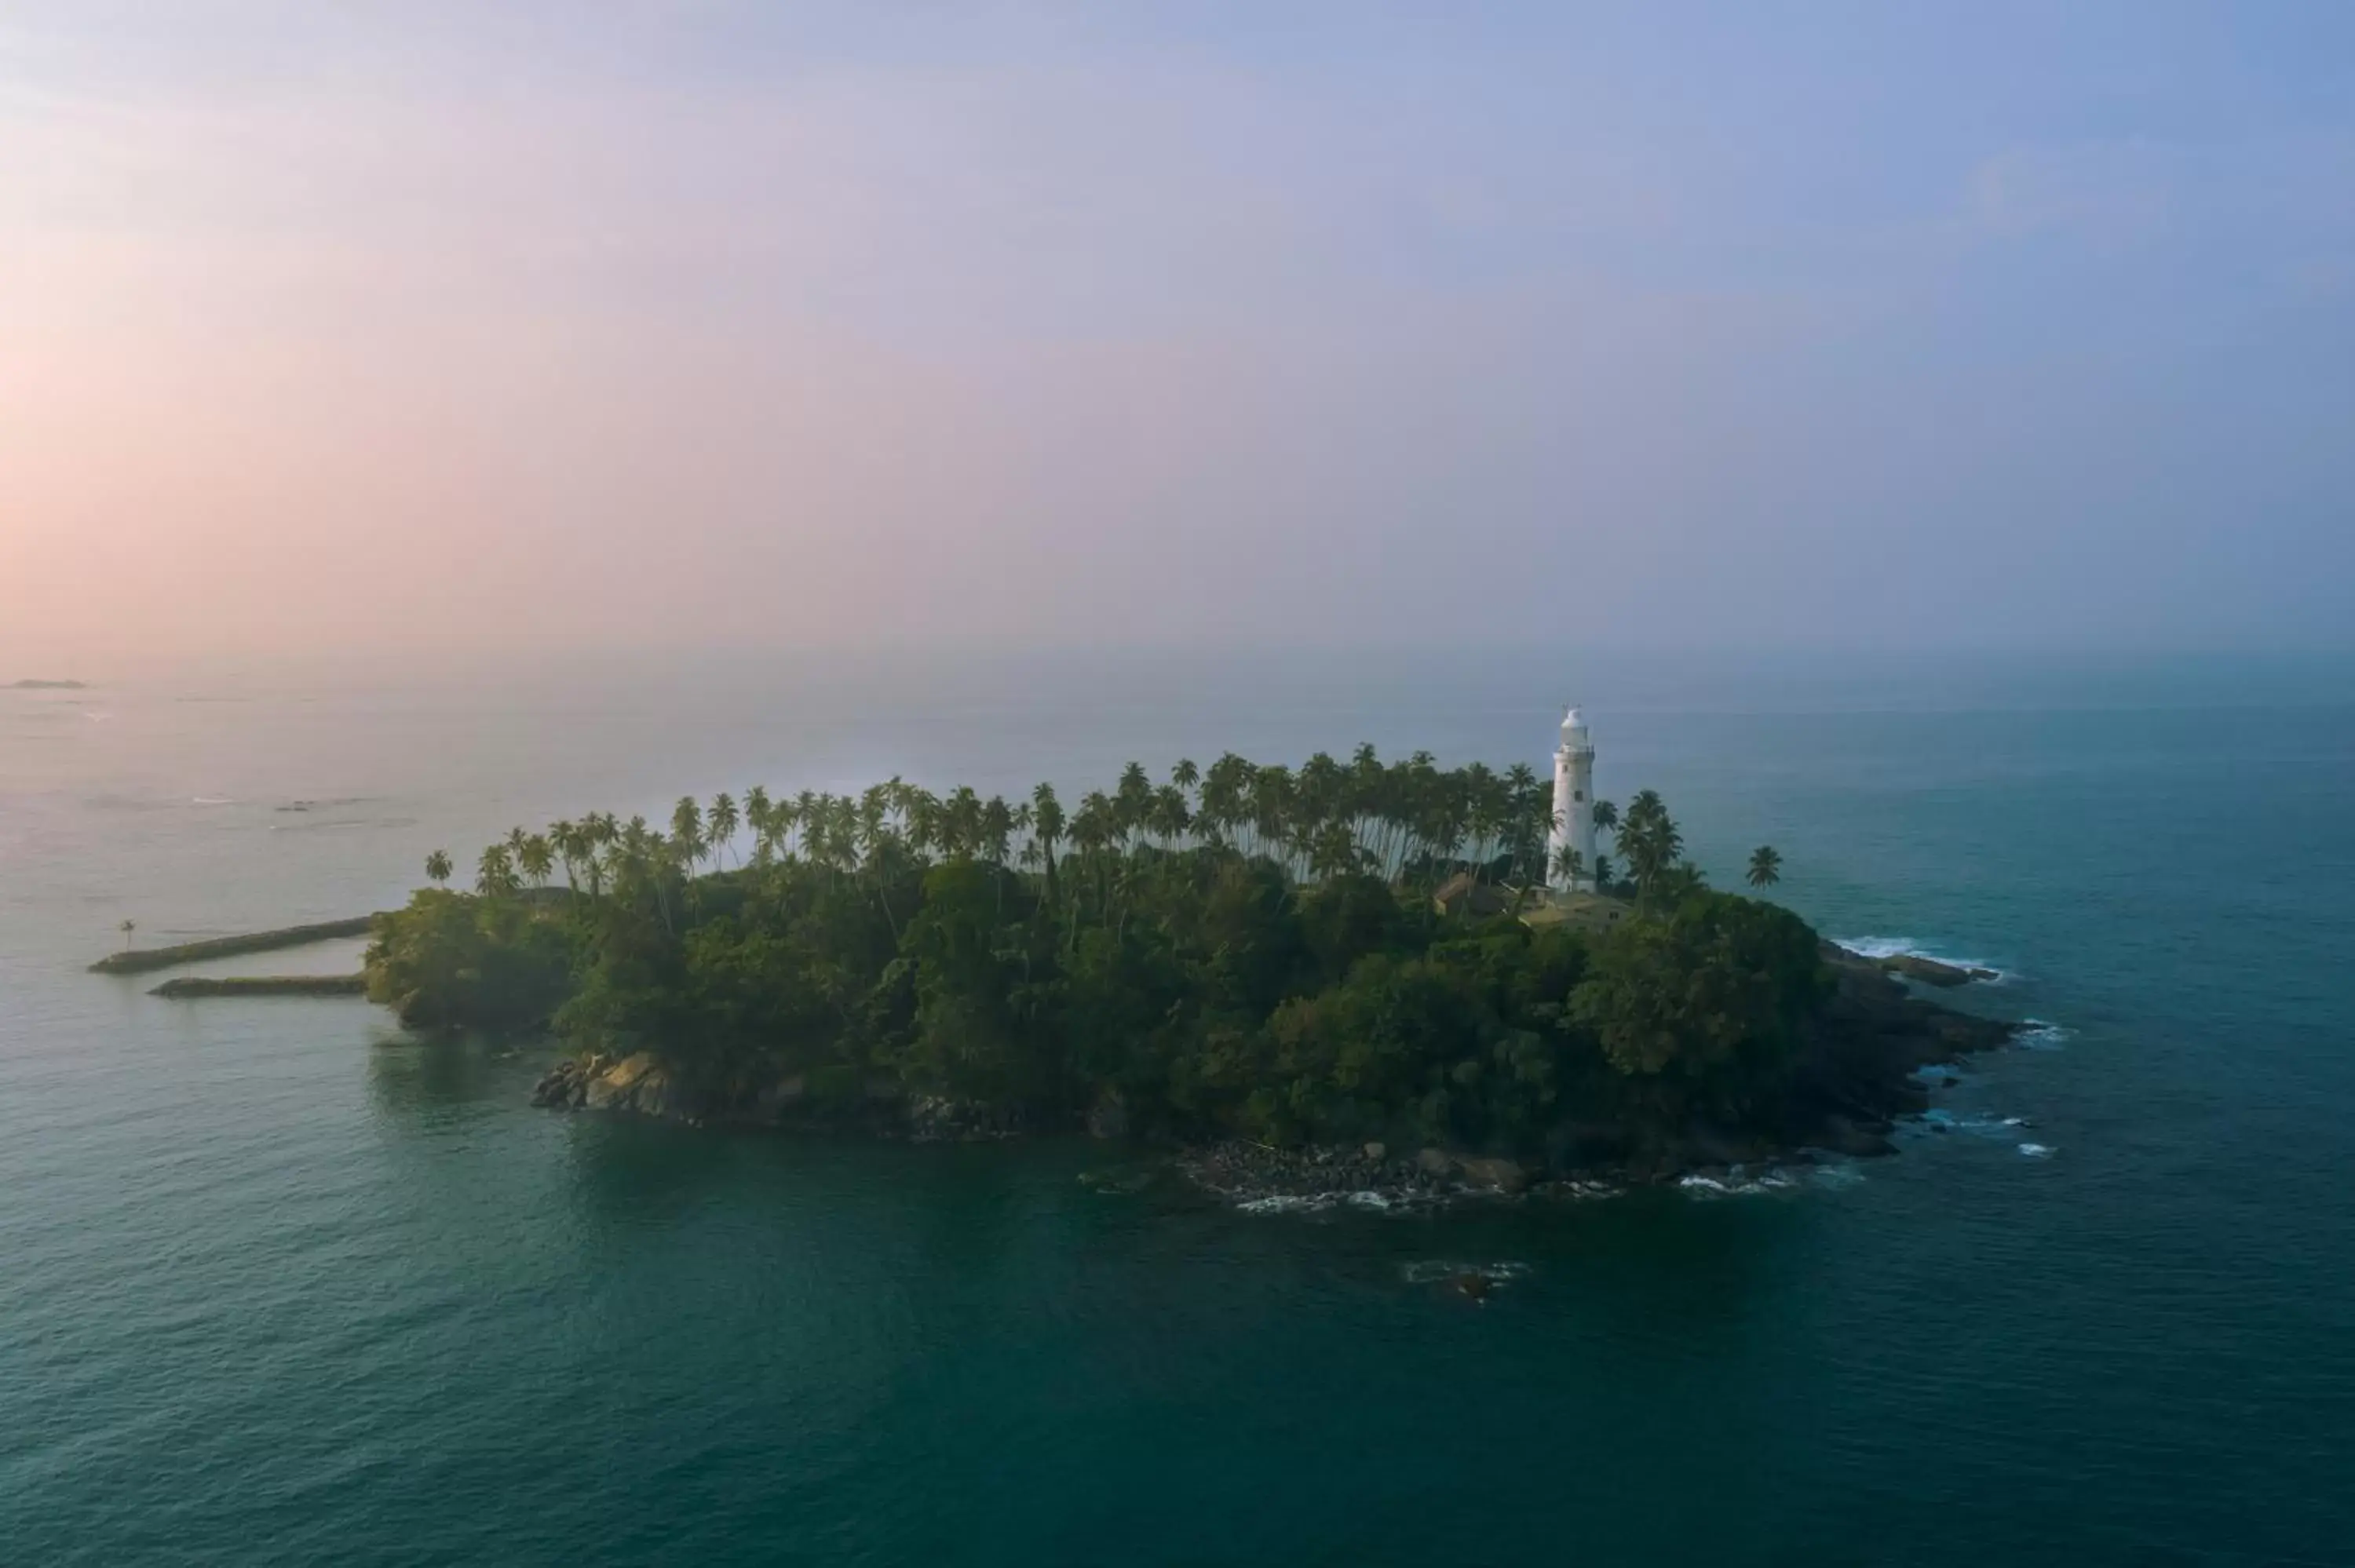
pixel 448 959
pixel 1242 948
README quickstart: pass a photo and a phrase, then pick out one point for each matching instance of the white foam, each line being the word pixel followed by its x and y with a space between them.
pixel 2036 1151
pixel 1425 1271
pixel 1736 1185
pixel 1286 1203
pixel 2041 1034
pixel 1319 1202
pixel 1908 948
pixel 1975 1124
pixel 1878 947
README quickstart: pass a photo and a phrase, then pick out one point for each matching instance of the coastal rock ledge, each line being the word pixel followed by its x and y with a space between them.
pixel 639 1082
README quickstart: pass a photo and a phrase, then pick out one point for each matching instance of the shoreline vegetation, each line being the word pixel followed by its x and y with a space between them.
pixel 1284 974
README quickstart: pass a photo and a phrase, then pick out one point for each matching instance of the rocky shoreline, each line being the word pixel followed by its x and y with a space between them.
pixel 1859 1072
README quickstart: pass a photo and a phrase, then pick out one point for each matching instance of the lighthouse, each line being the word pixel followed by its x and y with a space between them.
pixel 1573 803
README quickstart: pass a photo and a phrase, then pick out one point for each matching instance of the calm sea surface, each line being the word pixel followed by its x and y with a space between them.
pixel 279 1285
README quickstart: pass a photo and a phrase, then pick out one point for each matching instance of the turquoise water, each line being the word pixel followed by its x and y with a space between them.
pixel 279 1285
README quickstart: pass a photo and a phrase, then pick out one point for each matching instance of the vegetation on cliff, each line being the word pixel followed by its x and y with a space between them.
pixel 1240 950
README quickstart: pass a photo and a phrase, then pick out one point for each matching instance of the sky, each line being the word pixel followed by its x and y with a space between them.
pixel 349 330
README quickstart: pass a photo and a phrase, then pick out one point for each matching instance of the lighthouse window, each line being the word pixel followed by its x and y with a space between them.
pixel 1578 794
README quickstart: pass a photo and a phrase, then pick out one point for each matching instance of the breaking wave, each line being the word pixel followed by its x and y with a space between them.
pixel 2041 1034
pixel 1319 1203
pixel 1737 1183
pixel 1908 948
pixel 1977 1125
pixel 1431 1270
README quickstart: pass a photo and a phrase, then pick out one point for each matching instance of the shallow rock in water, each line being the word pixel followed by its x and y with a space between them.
pixel 563 1086
pixel 1931 972
pixel 1375 1152
pixel 1435 1162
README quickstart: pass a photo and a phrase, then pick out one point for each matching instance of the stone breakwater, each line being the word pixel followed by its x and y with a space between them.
pixel 140 960
pixel 191 986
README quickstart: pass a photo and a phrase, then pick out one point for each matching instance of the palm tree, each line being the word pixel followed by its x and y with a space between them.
pixel 1651 841
pixel 757 818
pixel 495 874
pixel 437 867
pixel 1168 816
pixel 1530 809
pixel 1569 867
pixel 724 822
pixel 564 838
pixel 687 831
pixel 599 833
pixel 1132 801
pixel 995 831
pixel 1765 866
pixel 126 929
pixel 534 859
pixel 1046 822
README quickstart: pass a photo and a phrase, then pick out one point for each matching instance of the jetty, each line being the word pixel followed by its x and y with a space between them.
pixel 140 961
pixel 189 986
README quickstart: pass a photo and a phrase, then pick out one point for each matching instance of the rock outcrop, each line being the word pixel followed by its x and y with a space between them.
pixel 640 1082
pixel 1108 1117
pixel 1931 970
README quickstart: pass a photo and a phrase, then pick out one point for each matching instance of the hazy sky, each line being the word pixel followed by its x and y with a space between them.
pixel 331 327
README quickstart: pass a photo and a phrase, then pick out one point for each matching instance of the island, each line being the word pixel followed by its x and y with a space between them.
pixel 1385 974
pixel 47 686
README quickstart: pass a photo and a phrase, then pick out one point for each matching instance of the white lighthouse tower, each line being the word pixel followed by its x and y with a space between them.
pixel 1573 803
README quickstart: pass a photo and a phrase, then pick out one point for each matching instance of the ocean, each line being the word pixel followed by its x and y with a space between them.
pixel 278 1284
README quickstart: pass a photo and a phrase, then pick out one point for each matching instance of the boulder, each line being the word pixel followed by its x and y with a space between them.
pixel 563 1088
pixel 1108 1117
pixel 781 1095
pixel 1435 1162
pixel 1375 1152
pixel 636 1083
pixel 1504 1175
pixel 1842 1135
